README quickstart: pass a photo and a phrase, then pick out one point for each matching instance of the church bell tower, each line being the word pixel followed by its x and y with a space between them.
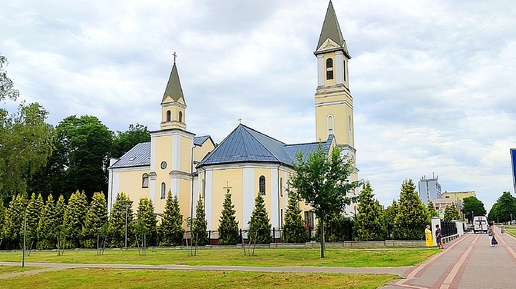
pixel 333 100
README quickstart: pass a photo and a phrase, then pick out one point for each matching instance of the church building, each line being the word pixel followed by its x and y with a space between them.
pixel 247 162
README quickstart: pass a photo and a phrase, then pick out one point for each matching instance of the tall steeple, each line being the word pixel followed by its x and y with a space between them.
pixel 333 100
pixel 173 104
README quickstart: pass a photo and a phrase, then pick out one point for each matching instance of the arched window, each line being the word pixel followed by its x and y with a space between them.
pixel 330 124
pixel 180 116
pixel 262 185
pixel 163 190
pixel 281 187
pixel 169 115
pixel 329 68
pixel 344 69
pixel 145 180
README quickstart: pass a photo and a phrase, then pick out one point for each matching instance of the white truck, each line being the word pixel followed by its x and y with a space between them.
pixel 480 224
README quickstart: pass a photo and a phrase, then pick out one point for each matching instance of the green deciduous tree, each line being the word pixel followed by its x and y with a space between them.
pixel 412 215
pixel 96 218
pixel 146 216
pixel 322 181
pixel 74 217
pixel 370 219
pixel 121 214
pixel 171 229
pixel 228 225
pixel 200 226
pixel 452 213
pixel 124 141
pixel 504 207
pixel 6 84
pixel 47 226
pixel 471 207
pixel 259 224
pixel 294 230
pixel 26 143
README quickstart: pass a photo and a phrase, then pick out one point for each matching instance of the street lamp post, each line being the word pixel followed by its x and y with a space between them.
pixel 471 217
pixel 126 209
pixel 24 237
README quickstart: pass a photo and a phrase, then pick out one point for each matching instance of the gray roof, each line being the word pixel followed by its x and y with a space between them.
pixel 138 156
pixel 173 88
pixel 245 144
pixel 331 29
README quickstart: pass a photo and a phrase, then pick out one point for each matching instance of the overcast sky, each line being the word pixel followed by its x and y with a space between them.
pixel 432 81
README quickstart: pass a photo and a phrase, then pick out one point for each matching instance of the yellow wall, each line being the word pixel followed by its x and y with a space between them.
pixel 131 185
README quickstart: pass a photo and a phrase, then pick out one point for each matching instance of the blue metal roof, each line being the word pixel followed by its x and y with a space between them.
pixel 199 140
pixel 138 156
pixel 245 144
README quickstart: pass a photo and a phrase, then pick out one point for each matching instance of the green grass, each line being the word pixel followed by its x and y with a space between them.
pixel 111 278
pixel 14 269
pixel 335 257
pixel 511 230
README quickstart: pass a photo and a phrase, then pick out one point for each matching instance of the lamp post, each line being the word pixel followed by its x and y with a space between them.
pixel 24 237
pixel 471 217
pixel 126 213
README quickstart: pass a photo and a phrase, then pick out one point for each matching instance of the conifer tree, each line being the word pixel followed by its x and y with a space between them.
pixel 96 218
pixel 294 230
pixel 390 215
pixel 60 210
pixel 146 216
pixel 13 226
pixel 200 226
pixel 171 229
pixel 34 209
pixel 74 216
pixel 412 215
pixel 452 213
pixel 228 225
pixel 121 212
pixel 370 219
pixel 259 225
pixel 2 221
pixel 431 210
pixel 47 226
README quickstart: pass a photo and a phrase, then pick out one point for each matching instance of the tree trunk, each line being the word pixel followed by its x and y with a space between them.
pixel 323 240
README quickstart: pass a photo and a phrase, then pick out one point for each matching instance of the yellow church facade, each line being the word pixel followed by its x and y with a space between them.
pixel 247 162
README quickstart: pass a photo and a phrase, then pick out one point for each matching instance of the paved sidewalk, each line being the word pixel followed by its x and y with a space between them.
pixel 467 262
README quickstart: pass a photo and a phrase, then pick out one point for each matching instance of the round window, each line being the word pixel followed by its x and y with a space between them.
pixel 163 165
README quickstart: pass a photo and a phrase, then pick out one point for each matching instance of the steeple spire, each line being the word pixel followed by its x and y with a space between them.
pixel 173 89
pixel 331 38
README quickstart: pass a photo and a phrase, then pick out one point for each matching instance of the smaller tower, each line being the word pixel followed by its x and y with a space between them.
pixel 173 104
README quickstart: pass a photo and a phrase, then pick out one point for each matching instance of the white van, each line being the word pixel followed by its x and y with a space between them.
pixel 480 224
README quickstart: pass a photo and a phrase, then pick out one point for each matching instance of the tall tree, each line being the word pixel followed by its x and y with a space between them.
pixel 146 216
pixel 124 141
pixel 120 220
pixel 412 215
pixel 34 209
pixel 294 230
pixel 2 221
pixel 96 218
pixel 504 208
pixel 322 181
pixel 431 210
pixel 6 84
pixel 370 220
pixel 26 143
pixel 452 213
pixel 47 226
pixel 228 225
pixel 259 224
pixel 390 215
pixel 74 216
pixel 82 149
pixel 14 219
pixel 200 226
pixel 171 229
pixel 471 207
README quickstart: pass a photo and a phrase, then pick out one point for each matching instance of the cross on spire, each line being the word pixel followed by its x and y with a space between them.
pixel 175 56
pixel 240 120
pixel 227 187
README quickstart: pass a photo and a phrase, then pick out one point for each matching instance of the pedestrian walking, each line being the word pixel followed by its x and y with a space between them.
pixel 490 234
pixel 438 237
pixel 428 237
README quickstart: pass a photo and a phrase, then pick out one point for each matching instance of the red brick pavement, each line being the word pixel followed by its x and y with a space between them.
pixel 468 262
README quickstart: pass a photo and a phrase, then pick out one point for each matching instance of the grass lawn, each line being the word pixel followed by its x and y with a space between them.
pixel 511 229
pixel 14 269
pixel 111 278
pixel 265 257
